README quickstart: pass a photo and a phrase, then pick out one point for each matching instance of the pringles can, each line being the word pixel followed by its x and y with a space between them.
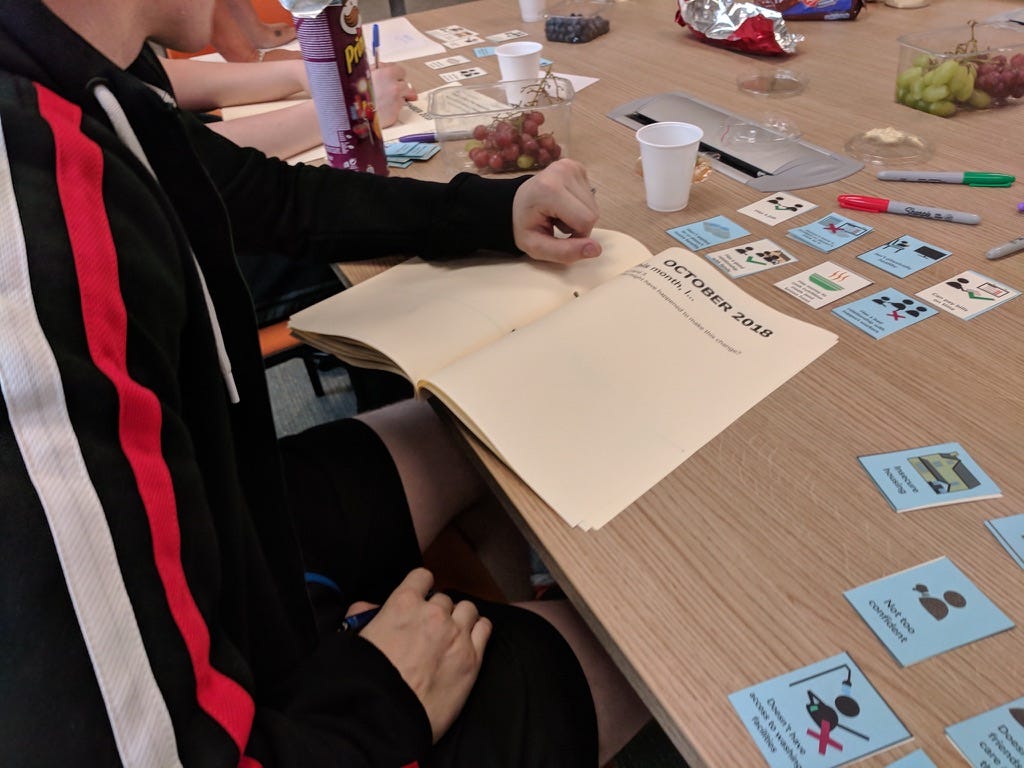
pixel 333 47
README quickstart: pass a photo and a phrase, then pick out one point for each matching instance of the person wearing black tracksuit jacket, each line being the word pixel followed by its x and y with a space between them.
pixel 155 534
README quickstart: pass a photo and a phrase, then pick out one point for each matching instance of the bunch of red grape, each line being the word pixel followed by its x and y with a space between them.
pixel 1001 78
pixel 513 143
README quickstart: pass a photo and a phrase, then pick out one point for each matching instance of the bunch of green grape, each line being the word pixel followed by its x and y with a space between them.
pixel 942 86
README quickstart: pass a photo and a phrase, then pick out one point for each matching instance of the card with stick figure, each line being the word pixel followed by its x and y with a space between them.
pixel 750 258
pixel 904 256
pixel 830 232
pixel 927 610
pixel 820 716
pixel 463 74
pixel 983 738
pixel 885 312
pixel 968 294
pixel 777 208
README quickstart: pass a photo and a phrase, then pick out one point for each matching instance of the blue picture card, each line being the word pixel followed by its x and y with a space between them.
pixel 829 232
pixel 929 477
pixel 904 256
pixel 884 312
pixel 820 716
pixel 703 234
pixel 926 610
pixel 916 759
pixel 1009 531
pixel 994 738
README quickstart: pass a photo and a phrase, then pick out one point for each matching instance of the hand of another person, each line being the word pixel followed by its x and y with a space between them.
pixel 436 646
pixel 558 197
pixel 390 92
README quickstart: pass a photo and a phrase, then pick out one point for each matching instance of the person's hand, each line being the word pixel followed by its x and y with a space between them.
pixel 558 197
pixel 390 92
pixel 436 646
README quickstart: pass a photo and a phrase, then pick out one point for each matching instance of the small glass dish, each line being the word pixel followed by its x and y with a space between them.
pixel 766 129
pixel 773 82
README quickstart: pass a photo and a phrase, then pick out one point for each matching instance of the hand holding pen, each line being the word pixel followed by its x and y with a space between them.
pixel 436 645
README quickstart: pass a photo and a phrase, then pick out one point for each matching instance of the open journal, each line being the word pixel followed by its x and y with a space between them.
pixel 592 382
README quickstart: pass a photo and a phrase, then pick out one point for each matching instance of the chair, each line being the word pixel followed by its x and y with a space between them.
pixel 278 345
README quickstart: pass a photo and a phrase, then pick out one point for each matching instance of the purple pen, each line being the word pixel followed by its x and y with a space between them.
pixel 1020 207
pixel 433 138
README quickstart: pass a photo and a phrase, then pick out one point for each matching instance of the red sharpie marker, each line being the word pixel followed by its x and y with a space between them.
pixel 881 205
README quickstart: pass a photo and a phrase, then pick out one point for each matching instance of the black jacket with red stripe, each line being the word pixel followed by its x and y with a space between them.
pixel 152 607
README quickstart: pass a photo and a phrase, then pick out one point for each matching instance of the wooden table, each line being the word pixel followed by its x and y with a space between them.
pixel 732 570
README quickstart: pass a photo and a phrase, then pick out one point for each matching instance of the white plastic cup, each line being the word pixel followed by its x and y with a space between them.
pixel 519 60
pixel 668 155
pixel 531 10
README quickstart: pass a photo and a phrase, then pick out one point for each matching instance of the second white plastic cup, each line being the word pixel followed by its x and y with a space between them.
pixel 519 60
pixel 531 10
pixel 668 154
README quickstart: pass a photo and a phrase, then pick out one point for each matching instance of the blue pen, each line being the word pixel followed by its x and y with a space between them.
pixel 357 621
pixel 375 46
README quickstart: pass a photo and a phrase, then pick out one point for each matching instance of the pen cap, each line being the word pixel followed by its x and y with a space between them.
pixel 984 179
pixel 863 203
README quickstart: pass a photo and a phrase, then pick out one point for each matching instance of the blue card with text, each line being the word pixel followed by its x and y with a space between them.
pixel 883 313
pixel 904 256
pixel 820 716
pixel 830 232
pixel 929 477
pixel 993 738
pixel 1009 531
pixel 927 610
pixel 702 234
pixel 916 759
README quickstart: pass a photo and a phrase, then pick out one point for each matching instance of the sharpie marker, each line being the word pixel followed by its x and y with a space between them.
pixel 881 205
pixel 970 178
pixel 1006 249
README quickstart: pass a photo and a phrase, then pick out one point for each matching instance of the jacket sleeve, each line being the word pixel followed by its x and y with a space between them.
pixel 141 617
pixel 339 215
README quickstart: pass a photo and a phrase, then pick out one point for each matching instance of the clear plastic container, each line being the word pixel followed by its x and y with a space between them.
pixel 577 21
pixel 514 126
pixel 976 66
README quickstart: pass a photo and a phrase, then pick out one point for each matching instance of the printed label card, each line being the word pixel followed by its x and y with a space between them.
pixel 927 610
pixel 883 313
pixel 828 233
pixel 504 37
pixel 454 36
pixel 777 208
pixel 463 74
pixel 904 256
pixel 1009 531
pixel 702 234
pixel 916 759
pixel 750 258
pixel 929 477
pixel 968 294
pixel 822 284
pixel 995 738
pixel 824 715
pixel 451 61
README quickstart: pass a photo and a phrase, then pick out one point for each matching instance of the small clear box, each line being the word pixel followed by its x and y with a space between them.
pixel 514 126
pixel 976 66
pixel 577 21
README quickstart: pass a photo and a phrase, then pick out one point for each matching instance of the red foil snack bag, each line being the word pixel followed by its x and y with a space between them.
pixel 745 27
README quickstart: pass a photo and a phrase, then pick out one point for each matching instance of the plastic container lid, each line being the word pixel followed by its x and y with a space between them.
pixel 772 82
pixel 888 146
